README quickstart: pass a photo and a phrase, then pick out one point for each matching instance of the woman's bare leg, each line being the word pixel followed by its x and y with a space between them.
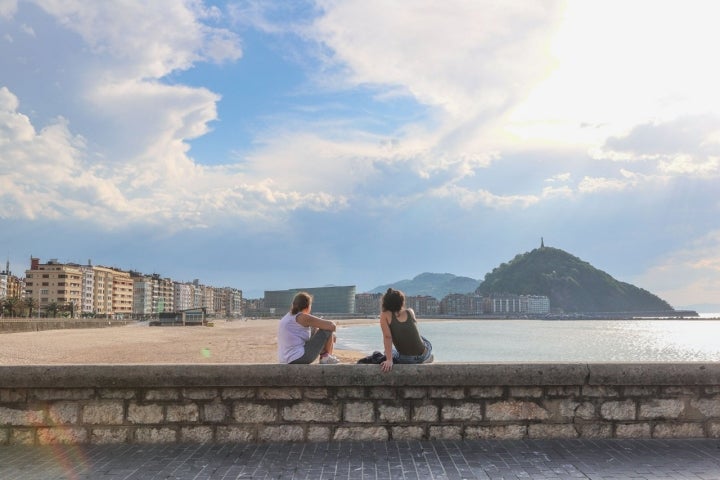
pixel 329 345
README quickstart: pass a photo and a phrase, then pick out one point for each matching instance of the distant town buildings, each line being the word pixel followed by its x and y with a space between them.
pixel 461 305
pixel 522 304
pixel 424 305
pixel 73 290
pixel 368 303
pixel 10 285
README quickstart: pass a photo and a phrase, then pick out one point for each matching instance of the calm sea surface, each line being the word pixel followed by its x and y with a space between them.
pixel 557 340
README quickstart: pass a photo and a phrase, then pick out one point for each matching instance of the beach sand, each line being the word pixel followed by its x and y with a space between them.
pixel 237 341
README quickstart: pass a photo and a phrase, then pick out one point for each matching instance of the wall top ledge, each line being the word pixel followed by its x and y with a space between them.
pixel 274 375
pixel 681 373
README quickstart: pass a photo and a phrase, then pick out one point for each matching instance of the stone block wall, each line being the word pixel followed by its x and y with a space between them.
pixel 271 403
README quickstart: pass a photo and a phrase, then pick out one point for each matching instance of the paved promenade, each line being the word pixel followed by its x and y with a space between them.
pixel 522 459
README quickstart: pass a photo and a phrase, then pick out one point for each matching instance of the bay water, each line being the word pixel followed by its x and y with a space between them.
pixel 556 340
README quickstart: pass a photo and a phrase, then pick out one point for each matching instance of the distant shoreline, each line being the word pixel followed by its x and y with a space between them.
pixel 16 325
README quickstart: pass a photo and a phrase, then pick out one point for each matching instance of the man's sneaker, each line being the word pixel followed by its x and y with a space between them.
pixel 430 359
pixel 329 360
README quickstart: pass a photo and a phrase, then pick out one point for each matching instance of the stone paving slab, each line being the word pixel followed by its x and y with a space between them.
pixel 443 460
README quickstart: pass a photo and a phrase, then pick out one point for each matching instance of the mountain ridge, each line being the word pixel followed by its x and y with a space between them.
pixel 436 285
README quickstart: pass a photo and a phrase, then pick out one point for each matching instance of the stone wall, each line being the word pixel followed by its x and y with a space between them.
pixel 270 403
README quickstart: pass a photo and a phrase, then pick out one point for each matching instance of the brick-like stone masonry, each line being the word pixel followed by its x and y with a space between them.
pixel 335 412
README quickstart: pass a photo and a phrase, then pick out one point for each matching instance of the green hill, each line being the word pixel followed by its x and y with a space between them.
pixel 571 284
pixel 433 284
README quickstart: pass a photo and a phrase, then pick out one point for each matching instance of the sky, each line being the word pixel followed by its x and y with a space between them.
pixel 269 145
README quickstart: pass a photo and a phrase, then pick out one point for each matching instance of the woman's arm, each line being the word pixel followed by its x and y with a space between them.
pixel 307 320
pixel 387 365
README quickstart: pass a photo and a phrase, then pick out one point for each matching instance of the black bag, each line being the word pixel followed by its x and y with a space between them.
pixel 376 358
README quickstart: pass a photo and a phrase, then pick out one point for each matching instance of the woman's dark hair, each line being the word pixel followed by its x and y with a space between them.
pixel 301 301
pixel 393 300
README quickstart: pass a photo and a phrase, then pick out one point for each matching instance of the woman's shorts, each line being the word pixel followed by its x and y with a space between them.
pixel 314 346
pixel 397 358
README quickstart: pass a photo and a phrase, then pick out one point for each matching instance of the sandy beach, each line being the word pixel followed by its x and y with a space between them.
pixel 239 341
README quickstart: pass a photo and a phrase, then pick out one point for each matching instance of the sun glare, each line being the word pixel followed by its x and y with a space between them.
pixel 620 64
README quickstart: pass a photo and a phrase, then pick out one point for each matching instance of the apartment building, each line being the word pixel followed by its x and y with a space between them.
pixel 537 304
pixel 15 286
pixel 122 294
pixel 103 291
pixel 165 289
pixel 461 304
pixel 208 298
pixel 522 304
pixel 368 303
pixel 184 294
pixel 152 294
pixel 197 294
pixel 254 307
pixel 4 284
pixel 228 302
pixel 112 292
pixel 54 283
pixel 424 305
pixel 87 305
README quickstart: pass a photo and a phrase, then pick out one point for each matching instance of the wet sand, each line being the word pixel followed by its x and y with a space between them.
pixel 238 341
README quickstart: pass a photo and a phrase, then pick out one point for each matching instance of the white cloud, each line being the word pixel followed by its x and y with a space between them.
pixel 654 65
pixel 686 146
pixel 560 178
pixel 465 58
pixel 38 166
pixel 130 164
pixel 465 61
pixel 470 198
pixel 143 119
pixel 7 8
pixel 555 192
pixel 470 64
pixel 48 176
pixel 146 39
pixel 627 179
pixel 690 166
pixel 689 275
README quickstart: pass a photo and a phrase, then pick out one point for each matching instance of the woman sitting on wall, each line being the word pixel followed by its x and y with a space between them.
pixel 402 340
pixel 303 337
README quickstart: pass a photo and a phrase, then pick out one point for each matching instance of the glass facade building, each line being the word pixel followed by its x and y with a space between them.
pixel 325 299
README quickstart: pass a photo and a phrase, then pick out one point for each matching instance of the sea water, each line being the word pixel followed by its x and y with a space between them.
pixel 556 340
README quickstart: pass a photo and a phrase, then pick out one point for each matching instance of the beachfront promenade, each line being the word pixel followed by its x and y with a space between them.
pixel 603 459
